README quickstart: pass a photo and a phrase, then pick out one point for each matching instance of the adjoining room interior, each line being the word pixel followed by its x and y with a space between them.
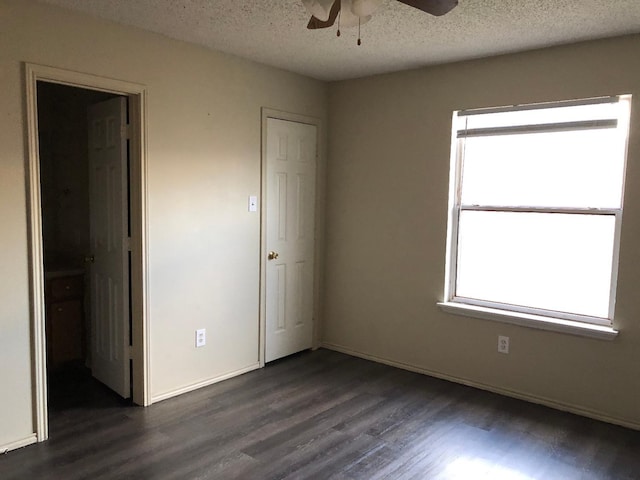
pixel 303 284
pixel 63 139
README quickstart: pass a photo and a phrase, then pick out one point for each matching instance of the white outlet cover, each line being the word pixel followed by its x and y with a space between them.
pixel 201 337
pixel 503 344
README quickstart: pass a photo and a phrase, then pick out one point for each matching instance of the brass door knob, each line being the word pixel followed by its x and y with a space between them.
pixel 89 259
pixel 273 255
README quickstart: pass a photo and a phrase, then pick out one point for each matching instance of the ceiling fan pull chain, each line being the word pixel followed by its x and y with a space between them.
pixel 338 33
pixel 359 41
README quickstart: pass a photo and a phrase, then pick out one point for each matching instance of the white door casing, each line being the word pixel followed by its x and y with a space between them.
pixel 137 96
pixel 290 227
pixel 109 272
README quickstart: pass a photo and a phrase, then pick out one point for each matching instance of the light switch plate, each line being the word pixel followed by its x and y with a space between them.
pixel 253 203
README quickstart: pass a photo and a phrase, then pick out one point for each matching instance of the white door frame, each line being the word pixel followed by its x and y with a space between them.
pixel 319 226
pixel 139 230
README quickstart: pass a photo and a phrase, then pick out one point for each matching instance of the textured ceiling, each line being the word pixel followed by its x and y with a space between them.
pixel 398 37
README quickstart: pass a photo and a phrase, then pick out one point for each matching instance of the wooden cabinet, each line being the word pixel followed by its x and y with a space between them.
pixel 65 318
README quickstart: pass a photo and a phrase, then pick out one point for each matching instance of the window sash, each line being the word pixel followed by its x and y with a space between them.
pixel 539 106
pixel 588 201
pixel 538 128
pixel 580 113
pixel 532 209
pixel 605 322
pixel 451 282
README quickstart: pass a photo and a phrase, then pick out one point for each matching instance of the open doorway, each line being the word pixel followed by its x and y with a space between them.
pixel 73 320
pixel 59 262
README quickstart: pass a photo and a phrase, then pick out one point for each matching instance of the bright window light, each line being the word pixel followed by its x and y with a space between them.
pixel 464 468
pixel 536 208
pixel 581 168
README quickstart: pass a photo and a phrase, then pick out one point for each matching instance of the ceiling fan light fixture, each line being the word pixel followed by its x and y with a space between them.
pixel 348 18
pixel 319 8
pixel 364 8
pixel 351 13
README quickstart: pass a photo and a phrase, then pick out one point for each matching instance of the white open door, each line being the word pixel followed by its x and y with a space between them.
pixel 108 193
pixel 290 226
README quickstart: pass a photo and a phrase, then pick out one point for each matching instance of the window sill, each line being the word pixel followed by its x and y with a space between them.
pixel 532 321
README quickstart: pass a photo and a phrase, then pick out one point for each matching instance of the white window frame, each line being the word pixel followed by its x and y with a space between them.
pixel 527 316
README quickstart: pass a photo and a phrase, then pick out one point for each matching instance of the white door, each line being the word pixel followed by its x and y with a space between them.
pixel 108 194
pixel 290 207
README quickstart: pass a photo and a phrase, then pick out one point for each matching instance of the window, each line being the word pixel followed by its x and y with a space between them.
pixel 536 208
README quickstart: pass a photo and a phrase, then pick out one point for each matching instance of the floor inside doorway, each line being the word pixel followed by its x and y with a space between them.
pixel 72 389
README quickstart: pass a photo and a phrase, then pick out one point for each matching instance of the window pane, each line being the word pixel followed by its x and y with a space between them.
pixel 603 111
pixel 558 262
pixel 582 168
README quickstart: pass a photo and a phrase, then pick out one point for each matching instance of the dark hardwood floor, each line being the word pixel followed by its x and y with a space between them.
pixel 322 415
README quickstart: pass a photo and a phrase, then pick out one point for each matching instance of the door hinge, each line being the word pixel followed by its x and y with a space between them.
pixel 126 131
pixel 128 244
pixel 130 352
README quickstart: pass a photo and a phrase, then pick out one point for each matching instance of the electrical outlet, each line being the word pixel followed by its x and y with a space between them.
pixel 201 337
pixel 503 344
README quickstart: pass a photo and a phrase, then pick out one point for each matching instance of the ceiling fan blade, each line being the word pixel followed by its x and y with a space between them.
pixel 319 8
pixel 434 7
pixel 315 23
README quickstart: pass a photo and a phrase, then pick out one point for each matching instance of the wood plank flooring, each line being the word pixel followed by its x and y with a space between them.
pixel 323 415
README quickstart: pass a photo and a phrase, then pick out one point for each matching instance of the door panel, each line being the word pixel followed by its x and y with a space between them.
pixel 290 210
pixel 108 191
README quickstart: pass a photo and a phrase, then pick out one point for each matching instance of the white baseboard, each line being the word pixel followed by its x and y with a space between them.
pixel 23 442
pixel 203 383
pixel 547 402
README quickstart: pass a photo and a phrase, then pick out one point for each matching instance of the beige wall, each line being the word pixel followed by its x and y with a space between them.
pixel 203 163
pixel 387 218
